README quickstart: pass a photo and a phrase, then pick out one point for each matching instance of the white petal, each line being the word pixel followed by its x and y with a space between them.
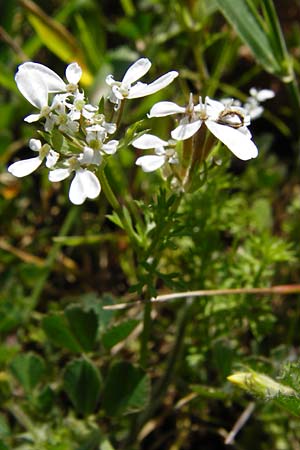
pixel 51 159
pixel 90 156
pixel 213 105
pixel 35 145
pixel 116 93
pixel 137 91
pixel 73 73
pixel 148 141
pixel 256 112
pixel 141 91
pixel 111 147
pixel 136 71
pixel 262 95
pixel 110 80
pixel 239 143
pixel 53 81
pixel 32 118
pixel 86 157
pixel 162 109
pixel 25 167
pixel 149 163
pixel 32 87
pixel 110 128
pixel 58 174
pixel 49 123
pixel 245 131
pixel 186 130
pixel 84 185
pixel 160 151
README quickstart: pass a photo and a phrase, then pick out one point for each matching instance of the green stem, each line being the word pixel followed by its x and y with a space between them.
pixel 113 201
pixel 145 335
pixel 120 113
pixel 153 252
pixel 109 194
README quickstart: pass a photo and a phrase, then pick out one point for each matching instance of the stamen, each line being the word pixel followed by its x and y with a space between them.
pixel 232 118
pixel 190 105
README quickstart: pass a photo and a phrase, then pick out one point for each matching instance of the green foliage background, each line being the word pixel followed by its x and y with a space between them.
pixel 70 372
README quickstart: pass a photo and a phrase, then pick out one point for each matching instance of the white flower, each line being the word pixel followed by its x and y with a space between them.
pixel 262 95
pixel 252 104
pixel 95 137
pixel 228 124
pixel 128 88
pixel 79 108
pixel 85 184
pixel 36 81
pixel 163 155
pixel 27 166
pixel 99 124
pixel 54 83
pixel 61 118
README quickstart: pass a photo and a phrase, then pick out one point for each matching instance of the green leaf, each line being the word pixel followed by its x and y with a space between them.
pixel 249 29
pixel 57 329
pixel 45 399
pixel 57 38
pixel 59 142
pixel 114 218
pixel 290 404
pixel 118 333
pixel 82 383
pixel 127 389
pixel 84 325
pixel 28 369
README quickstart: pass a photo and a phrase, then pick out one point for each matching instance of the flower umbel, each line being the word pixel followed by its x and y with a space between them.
pixel 79 138
pixel 226 123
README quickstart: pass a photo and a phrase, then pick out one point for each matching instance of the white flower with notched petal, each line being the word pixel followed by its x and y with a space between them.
pixel 53 82
pixel 164 152
pixel 85 184
pixel 128 88
pixel 36 81
pixel 228 124
pixel 27 166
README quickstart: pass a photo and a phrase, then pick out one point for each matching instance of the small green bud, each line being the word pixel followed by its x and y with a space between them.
pixel 260 385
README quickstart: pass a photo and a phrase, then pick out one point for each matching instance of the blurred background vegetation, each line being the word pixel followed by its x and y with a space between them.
pixel 69 373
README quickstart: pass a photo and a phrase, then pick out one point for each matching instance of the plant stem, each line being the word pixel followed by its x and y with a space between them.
pixel 113 201
pixel 153 252
pixel 109 194
pixel 120 113
pixel 145 335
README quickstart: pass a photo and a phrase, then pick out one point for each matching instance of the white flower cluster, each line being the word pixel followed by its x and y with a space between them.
pixel 227 120
pixel 86 135
pixel 253 102
pixel 64 109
